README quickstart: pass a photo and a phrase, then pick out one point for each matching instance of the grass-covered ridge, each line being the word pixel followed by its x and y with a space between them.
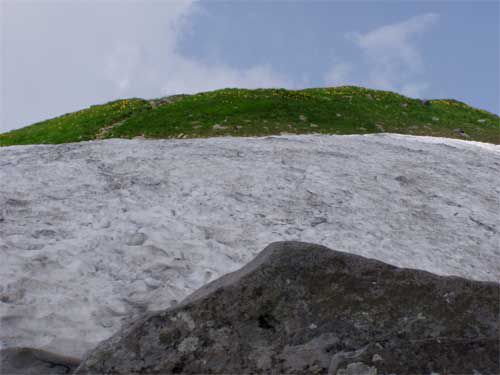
pixel 78 126
pixel 241 112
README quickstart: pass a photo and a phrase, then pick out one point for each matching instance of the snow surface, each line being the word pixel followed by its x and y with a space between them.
pixel 94 233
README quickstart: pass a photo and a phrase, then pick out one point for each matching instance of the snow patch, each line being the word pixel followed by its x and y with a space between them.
pixel 94 233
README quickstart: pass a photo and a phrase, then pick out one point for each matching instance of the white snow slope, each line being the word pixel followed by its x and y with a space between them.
pixel 93 233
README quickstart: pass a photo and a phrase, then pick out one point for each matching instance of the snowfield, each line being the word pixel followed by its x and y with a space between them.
pixel 94 233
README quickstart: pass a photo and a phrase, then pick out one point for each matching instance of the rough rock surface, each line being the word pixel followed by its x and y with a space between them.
pixel 305 309
pixel 94 233
pixel 28 361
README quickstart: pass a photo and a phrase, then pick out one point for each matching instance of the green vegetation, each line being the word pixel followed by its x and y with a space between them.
pixel 83 125
pixel 240 112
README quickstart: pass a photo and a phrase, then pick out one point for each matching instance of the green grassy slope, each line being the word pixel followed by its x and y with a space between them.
pixel 240 112
pixel 78 126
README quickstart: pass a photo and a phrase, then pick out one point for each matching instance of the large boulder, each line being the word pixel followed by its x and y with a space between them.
pixel 302 308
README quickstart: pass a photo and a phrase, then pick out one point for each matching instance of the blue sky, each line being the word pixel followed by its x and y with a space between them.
pixel 61 56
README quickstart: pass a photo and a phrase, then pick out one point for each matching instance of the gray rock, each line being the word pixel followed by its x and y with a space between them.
pixel 137 239
pixel 302 308
pixel 357 368
pixel 461 133
pixel 219 127
pixel 318 220
pixel 28 361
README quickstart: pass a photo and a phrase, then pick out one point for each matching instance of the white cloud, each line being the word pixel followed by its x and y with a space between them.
pixel 393 44
pixel 415 89
pixel 158 64
pixel 61 56
pixel 120 62
pixel 339 74
pixel 193 76
pixel 391 56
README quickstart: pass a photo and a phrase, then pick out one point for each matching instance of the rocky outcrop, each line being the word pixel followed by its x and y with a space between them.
pixel 29 361
pixel 305 309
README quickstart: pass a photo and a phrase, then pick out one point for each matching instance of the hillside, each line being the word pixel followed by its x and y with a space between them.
pixel 241 112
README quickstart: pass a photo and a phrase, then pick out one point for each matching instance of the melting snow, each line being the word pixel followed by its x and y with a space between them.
pixel 94 233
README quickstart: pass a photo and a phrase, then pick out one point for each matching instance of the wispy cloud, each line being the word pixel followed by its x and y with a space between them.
pixel 158 63
pixel 391 58
pixel 89 52
pixel 339 74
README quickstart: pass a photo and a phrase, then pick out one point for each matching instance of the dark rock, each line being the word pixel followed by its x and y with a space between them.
pixel 403 180
pixel 28 361
pixel 318 220
pixel 461 133
pixel 137 239
pixel 303 309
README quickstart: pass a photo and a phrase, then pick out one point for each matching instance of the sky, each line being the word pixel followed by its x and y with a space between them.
pixel 62 56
